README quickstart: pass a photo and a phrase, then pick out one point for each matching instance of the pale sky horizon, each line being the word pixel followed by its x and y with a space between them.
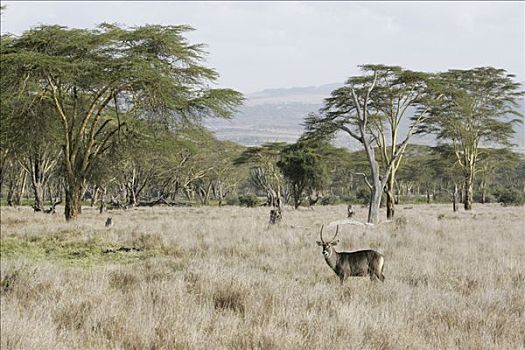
pixel 261 45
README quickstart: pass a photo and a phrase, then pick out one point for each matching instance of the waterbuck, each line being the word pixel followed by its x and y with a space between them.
pixel 358 263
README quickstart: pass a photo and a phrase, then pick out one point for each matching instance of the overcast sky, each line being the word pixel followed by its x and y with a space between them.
pixel 259 45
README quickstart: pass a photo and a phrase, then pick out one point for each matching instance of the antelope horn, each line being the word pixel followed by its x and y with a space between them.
pixel 322 240
pixel 336 232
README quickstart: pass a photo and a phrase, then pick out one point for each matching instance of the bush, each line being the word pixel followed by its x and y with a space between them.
pixel 232 201
pixel 348 199
pixel 329 200
pixel 509 196
pixel 443 197
pixel 248 200
pixel 489 198
pixel 363 195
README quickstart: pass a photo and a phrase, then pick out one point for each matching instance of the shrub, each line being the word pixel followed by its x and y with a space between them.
pixel 248 200
pixel 363 195
pixel 509 196
pixel 349 199
pixel 232 201
pixel 329 200
pixel 489 198
pixel 442 197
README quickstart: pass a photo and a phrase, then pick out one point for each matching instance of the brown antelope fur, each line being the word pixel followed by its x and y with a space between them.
pixel 346 264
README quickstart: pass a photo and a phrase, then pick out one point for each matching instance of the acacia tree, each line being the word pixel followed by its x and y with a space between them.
pixel 35 149
pixel 302 166
pixel 491 160
pixel 264 173
pixel 222 177
pixel 361 108
pixel 476 106
pixel 397 94
pixel 99 80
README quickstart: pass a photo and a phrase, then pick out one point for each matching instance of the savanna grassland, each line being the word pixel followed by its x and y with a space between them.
pixel 221 278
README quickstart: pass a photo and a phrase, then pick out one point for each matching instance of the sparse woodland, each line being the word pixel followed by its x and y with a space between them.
pixel 105 125
pixel 118 116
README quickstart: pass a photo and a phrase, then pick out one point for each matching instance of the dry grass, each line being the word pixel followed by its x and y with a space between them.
pixel 220 278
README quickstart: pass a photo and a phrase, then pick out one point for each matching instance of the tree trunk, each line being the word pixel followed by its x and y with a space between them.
pixel 483 188
pixel 468 192
pixel 10 195
pixel 297 194
pixel 38 167
pixel 188 193
pixel 390 197
pixel 21 186
pixel 94 196
pixel 132 198
pixel 102 207
pixel 207 194
pixel 390 203
pixel 38 190
pixel 377 187
pixel 375 203
pixel 37 183
pixel 73 206
pixel 454 198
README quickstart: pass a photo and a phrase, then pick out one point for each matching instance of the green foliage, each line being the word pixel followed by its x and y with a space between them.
pixel 387 92
pixel 267 153
pixel 248 200
pixel 370 108
pixel 264 173
pixel 489 198
pixel 468 108
pixel 500 166
pixel 98 81
pixel 363 195
pixel 303 166
pixel 124 104
pixel 330 200
pixel 473 105
pixel 233 200
pixel 509 196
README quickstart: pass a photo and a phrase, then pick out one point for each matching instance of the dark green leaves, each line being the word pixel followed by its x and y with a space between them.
pixel 476 105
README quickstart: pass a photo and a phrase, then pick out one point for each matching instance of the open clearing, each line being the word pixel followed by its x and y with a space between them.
pixel 221 278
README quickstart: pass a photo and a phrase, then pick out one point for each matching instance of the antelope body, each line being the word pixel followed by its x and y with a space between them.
pixel 346 264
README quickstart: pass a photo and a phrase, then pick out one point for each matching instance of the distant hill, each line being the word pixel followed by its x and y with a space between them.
pixel 271 115
pixel 301 95
pixel 277 115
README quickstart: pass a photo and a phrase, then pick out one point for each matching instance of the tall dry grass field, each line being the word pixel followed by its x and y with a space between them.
pixel 220 278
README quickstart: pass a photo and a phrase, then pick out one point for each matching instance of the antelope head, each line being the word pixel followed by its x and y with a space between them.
pixel 327 245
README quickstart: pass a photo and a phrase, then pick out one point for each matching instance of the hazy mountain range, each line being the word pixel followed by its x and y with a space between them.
pixel 277 115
